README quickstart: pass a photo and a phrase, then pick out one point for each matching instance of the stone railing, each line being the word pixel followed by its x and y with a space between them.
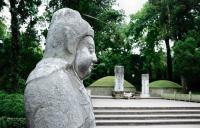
pixel 183 97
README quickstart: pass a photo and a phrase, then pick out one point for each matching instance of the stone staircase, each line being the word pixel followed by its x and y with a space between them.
pixel 144 116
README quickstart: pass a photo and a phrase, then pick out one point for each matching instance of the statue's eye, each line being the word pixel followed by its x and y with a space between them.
pixel 91 50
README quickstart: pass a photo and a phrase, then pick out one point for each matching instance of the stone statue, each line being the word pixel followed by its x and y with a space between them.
pixel 55 96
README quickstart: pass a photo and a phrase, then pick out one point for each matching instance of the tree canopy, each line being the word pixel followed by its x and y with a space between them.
pixel 164 21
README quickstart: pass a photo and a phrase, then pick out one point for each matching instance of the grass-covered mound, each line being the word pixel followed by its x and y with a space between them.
pixel 164 84
pixel 109 81
pixel 12 113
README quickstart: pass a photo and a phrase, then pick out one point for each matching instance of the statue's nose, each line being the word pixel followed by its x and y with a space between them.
pixel 94 58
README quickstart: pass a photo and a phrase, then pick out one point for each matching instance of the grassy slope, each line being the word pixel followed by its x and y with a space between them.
pixel 164 84
pixel 109 81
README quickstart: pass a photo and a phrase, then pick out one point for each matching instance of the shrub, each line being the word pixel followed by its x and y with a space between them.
pixel 11 105
pixel 6 122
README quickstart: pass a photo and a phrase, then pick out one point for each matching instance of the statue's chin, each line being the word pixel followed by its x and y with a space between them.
pixel 85 75
pixel 84 71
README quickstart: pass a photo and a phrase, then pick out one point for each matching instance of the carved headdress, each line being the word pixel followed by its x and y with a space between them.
pixel 66 30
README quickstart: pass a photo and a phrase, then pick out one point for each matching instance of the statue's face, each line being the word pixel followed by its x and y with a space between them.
pixel 85 57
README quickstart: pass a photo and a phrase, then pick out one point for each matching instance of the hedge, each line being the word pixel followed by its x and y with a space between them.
pixel 12 105
pixel 6 122
pixel 12 114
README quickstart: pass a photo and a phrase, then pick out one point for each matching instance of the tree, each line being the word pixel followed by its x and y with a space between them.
pixel 172 19
pixel 187 60
pixel 3 28
pixel 144 32
pixel 22 12
pixel 2 4
pixel 29 54
pixel 2 39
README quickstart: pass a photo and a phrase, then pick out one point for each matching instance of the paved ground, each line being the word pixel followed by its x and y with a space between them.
pixel 141 103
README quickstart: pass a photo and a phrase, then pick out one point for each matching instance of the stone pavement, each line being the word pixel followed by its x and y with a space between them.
pixel 145 113
pixel 141 103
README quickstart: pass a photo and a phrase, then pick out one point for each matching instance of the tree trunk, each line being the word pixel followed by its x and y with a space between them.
pixel 184 84
pixel 15 45
pixel 150 71
pixel 169 59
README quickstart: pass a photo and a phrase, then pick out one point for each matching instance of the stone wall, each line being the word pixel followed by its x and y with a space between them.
pixel 106 91
pixel 159 91
pixel 183 97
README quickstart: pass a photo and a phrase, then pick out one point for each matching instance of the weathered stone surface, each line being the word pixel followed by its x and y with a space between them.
pixel 55 96
pixel 145 85
pixel 119 79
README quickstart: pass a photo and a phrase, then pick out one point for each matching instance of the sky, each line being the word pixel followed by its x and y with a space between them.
pixel 129 6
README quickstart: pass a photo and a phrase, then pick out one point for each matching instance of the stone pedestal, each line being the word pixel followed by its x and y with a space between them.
pixel 118 94
pixel 119 82
pixel 145 86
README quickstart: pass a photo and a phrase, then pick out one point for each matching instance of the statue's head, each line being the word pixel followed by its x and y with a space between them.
pixel 71 38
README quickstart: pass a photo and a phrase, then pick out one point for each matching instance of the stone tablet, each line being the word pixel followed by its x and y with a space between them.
pixel 119 79
pixel 55 96
pixel 145 86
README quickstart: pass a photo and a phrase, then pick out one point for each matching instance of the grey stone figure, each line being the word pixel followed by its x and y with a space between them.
pixel 55 96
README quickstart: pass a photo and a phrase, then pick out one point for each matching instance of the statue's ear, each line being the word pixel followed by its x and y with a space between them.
pixel 71 40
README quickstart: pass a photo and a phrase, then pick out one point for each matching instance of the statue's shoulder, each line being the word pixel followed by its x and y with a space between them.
pixel 46 67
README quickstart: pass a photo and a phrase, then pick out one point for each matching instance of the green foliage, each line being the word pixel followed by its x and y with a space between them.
pixel 11 105
pixel 187 63
pixel 16 59
pixel 109 33
pixel 2 4
pixel 6 122
pixel 164 84
pixel 26 9
pixel 30 53
pixel 3 28
pixel 163 20
pixel 142 22
pixel 143 32
pixel 12 113
pixel 187 58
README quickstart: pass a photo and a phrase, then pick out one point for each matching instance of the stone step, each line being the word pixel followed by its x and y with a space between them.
pixel 146 117
pixel 144 112
pixel 146 108
pixel 155 126
pixel 146 122
pixel 134 97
